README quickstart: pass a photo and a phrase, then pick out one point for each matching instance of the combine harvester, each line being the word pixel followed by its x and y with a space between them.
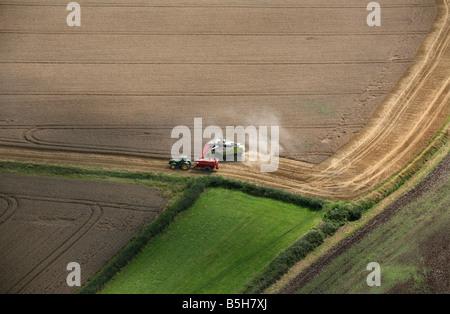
pixel 217 148
pixel 224 150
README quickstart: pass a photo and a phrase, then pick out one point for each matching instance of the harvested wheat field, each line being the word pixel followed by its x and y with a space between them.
pixel 47 223
pixel 354 103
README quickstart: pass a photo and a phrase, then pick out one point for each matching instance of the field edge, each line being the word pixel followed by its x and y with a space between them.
pixel 375 202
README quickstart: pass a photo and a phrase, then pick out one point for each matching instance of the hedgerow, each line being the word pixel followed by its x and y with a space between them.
pixel 336 213
pixel 264 191
pixel 193 189
pixel 284 261
pixel 70 171
pixel 136 245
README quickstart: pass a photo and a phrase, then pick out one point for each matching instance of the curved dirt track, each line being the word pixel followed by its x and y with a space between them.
pixel 400 128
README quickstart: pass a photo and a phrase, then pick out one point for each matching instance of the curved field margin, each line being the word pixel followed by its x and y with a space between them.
pixel 409 239
pixel 216 246
pixel 399 129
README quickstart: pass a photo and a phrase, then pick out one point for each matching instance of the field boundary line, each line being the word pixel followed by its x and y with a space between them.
pixel 395 134
pixel 347 231
pixel 94 217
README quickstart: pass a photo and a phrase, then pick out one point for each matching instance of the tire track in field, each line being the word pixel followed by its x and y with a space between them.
pixel 245 62
pixel 12 205
pixel 409 117
pixel 102 204
pixel 94 212
pixel 367 145
pixel 409 93
pixel 95 215
pixel 30 137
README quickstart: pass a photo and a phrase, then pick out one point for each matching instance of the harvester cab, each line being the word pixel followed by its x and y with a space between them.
pixel 223 150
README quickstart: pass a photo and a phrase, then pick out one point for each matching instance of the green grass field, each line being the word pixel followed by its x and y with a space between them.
pixel 412 249
pixel 217 246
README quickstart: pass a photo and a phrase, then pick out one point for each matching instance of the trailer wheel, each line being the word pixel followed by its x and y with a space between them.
pixel 207 169
pixel 185 167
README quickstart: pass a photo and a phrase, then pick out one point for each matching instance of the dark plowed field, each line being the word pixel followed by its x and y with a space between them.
pixel 46 223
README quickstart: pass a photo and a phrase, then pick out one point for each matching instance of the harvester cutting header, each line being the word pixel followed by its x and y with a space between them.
pixel 223 150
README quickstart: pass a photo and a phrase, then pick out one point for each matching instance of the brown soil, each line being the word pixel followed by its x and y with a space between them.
pixel 435 250
pixel 346 126
pixel 46 223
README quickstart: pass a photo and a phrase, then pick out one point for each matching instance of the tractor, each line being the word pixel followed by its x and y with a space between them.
pixel 183 163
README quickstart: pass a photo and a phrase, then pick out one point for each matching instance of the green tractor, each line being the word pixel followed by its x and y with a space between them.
pixel 183 163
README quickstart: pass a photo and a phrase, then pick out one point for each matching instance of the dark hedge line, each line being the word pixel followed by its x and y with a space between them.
pixel 312 203
pixel 194 188
pixel 336 215
pixel 210 181
pixel 117 263
pixel 284 261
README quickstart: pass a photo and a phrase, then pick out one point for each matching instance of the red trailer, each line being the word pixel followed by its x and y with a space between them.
pixel 206 165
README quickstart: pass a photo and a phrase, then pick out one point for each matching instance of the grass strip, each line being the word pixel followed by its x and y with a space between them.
pixel 78 172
